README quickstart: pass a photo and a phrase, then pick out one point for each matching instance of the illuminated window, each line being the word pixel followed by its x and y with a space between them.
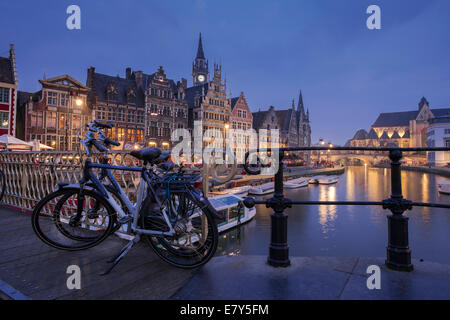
pixel 51 120
pixel 4 120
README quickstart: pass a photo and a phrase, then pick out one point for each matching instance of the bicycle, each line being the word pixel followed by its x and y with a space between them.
pixel 169 212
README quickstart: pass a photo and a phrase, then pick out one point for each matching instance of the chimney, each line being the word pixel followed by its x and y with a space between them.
pixel 128 73
pixel 139 78
pixel 184 83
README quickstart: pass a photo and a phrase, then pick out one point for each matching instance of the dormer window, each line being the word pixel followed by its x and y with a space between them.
pixel 131 96
pixel 112 93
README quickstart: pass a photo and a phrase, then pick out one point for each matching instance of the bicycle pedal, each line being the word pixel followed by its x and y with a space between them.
pixel 124 220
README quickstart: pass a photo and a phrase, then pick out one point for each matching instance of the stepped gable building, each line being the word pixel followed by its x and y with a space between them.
pixel 294 125
pixel 207 101
pixel 268 120
pixel 241 119
pixel 8 93
pixel 57 114
pixel 145 108
pixel 403 129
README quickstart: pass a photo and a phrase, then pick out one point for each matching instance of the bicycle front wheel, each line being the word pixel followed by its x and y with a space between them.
pixel 196 238
pixel 66 221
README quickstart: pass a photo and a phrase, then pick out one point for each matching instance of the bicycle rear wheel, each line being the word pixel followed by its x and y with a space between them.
pixel 65 221
pixel 196 238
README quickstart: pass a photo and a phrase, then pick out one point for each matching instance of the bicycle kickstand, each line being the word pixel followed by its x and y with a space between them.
pixel 117 258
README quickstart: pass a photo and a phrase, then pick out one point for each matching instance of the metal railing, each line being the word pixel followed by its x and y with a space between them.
pixel 398 255
pixel 30 176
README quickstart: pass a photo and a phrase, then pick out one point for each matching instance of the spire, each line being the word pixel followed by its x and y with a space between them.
pixel 300 107
pixel 200 53
pixel 422 102
pixel 293 104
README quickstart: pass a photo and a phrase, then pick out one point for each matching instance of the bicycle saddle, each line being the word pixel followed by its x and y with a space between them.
pixel 148 154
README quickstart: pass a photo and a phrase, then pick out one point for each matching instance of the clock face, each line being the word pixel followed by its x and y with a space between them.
pixel 201 78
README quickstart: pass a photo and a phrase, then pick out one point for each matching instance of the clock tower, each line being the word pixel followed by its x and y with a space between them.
pixel 200 66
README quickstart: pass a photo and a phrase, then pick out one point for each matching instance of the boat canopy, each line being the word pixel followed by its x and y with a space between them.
pixel 224 202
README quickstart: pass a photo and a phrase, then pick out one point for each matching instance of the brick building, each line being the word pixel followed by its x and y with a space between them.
pixel 8 93
pixel 57 114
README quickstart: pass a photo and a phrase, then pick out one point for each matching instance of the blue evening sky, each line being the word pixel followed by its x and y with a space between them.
pixel 269 49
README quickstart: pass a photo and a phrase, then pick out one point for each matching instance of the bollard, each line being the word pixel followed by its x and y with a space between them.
pixel 398 251
pixel 278 249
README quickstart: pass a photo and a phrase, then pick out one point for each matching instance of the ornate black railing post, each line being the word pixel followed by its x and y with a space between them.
pixel 398 251
pixel 279 249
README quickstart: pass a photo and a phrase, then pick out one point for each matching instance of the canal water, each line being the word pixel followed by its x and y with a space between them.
pixel 351 231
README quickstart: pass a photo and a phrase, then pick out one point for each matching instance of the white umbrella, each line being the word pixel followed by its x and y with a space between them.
pixel 11 142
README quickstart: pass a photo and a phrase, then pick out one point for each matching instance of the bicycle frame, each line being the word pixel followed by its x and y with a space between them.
pixel 144 183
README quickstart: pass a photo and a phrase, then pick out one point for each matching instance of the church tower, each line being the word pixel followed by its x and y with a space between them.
pixel 200 68
pixel 304 128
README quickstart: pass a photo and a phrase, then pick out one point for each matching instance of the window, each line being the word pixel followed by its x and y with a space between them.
pixel 166 130
pixel 4 95
pixel 430 133
pixel 62 143
pixel 51 141
pixel 447 131
pixel 36 120
pixel 76 122
pixel 52 98
pixel 121 115
pixel 111 114
pixel 51 120
pixel 75 143
pixel 140 117
pixel 153 129
pixel 140 135
pixel 131 116
pixel 101 113
pixel 120 134
pixel 447 143
pixel 4 120
pixel 64 97
pixel 166 111
pixel 63 121
pixel 154 109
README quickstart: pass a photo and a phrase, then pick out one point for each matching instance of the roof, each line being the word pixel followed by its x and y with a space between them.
pixel 384 135
pixel 441 120
pixel 361 134
pixel 233 102
pixel 6 71
pixel 407 135
pixel 258 118
pixel 193 91
pixel 284 119
pixel 200 53
pixel 372 134
pixel 401 119
pixel 101 82
pixel 395 135
pixel 23 97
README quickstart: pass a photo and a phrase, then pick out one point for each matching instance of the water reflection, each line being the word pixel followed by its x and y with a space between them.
pixel 327 214
pixel 351 230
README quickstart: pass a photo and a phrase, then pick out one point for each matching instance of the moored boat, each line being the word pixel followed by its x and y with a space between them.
pixel 443 186
pixel 232 211
pixel 296 183
pixel 262 189
pixel 238 191
pixel 328 180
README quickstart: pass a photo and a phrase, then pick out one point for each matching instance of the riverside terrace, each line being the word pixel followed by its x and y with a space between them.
pixel 237 277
